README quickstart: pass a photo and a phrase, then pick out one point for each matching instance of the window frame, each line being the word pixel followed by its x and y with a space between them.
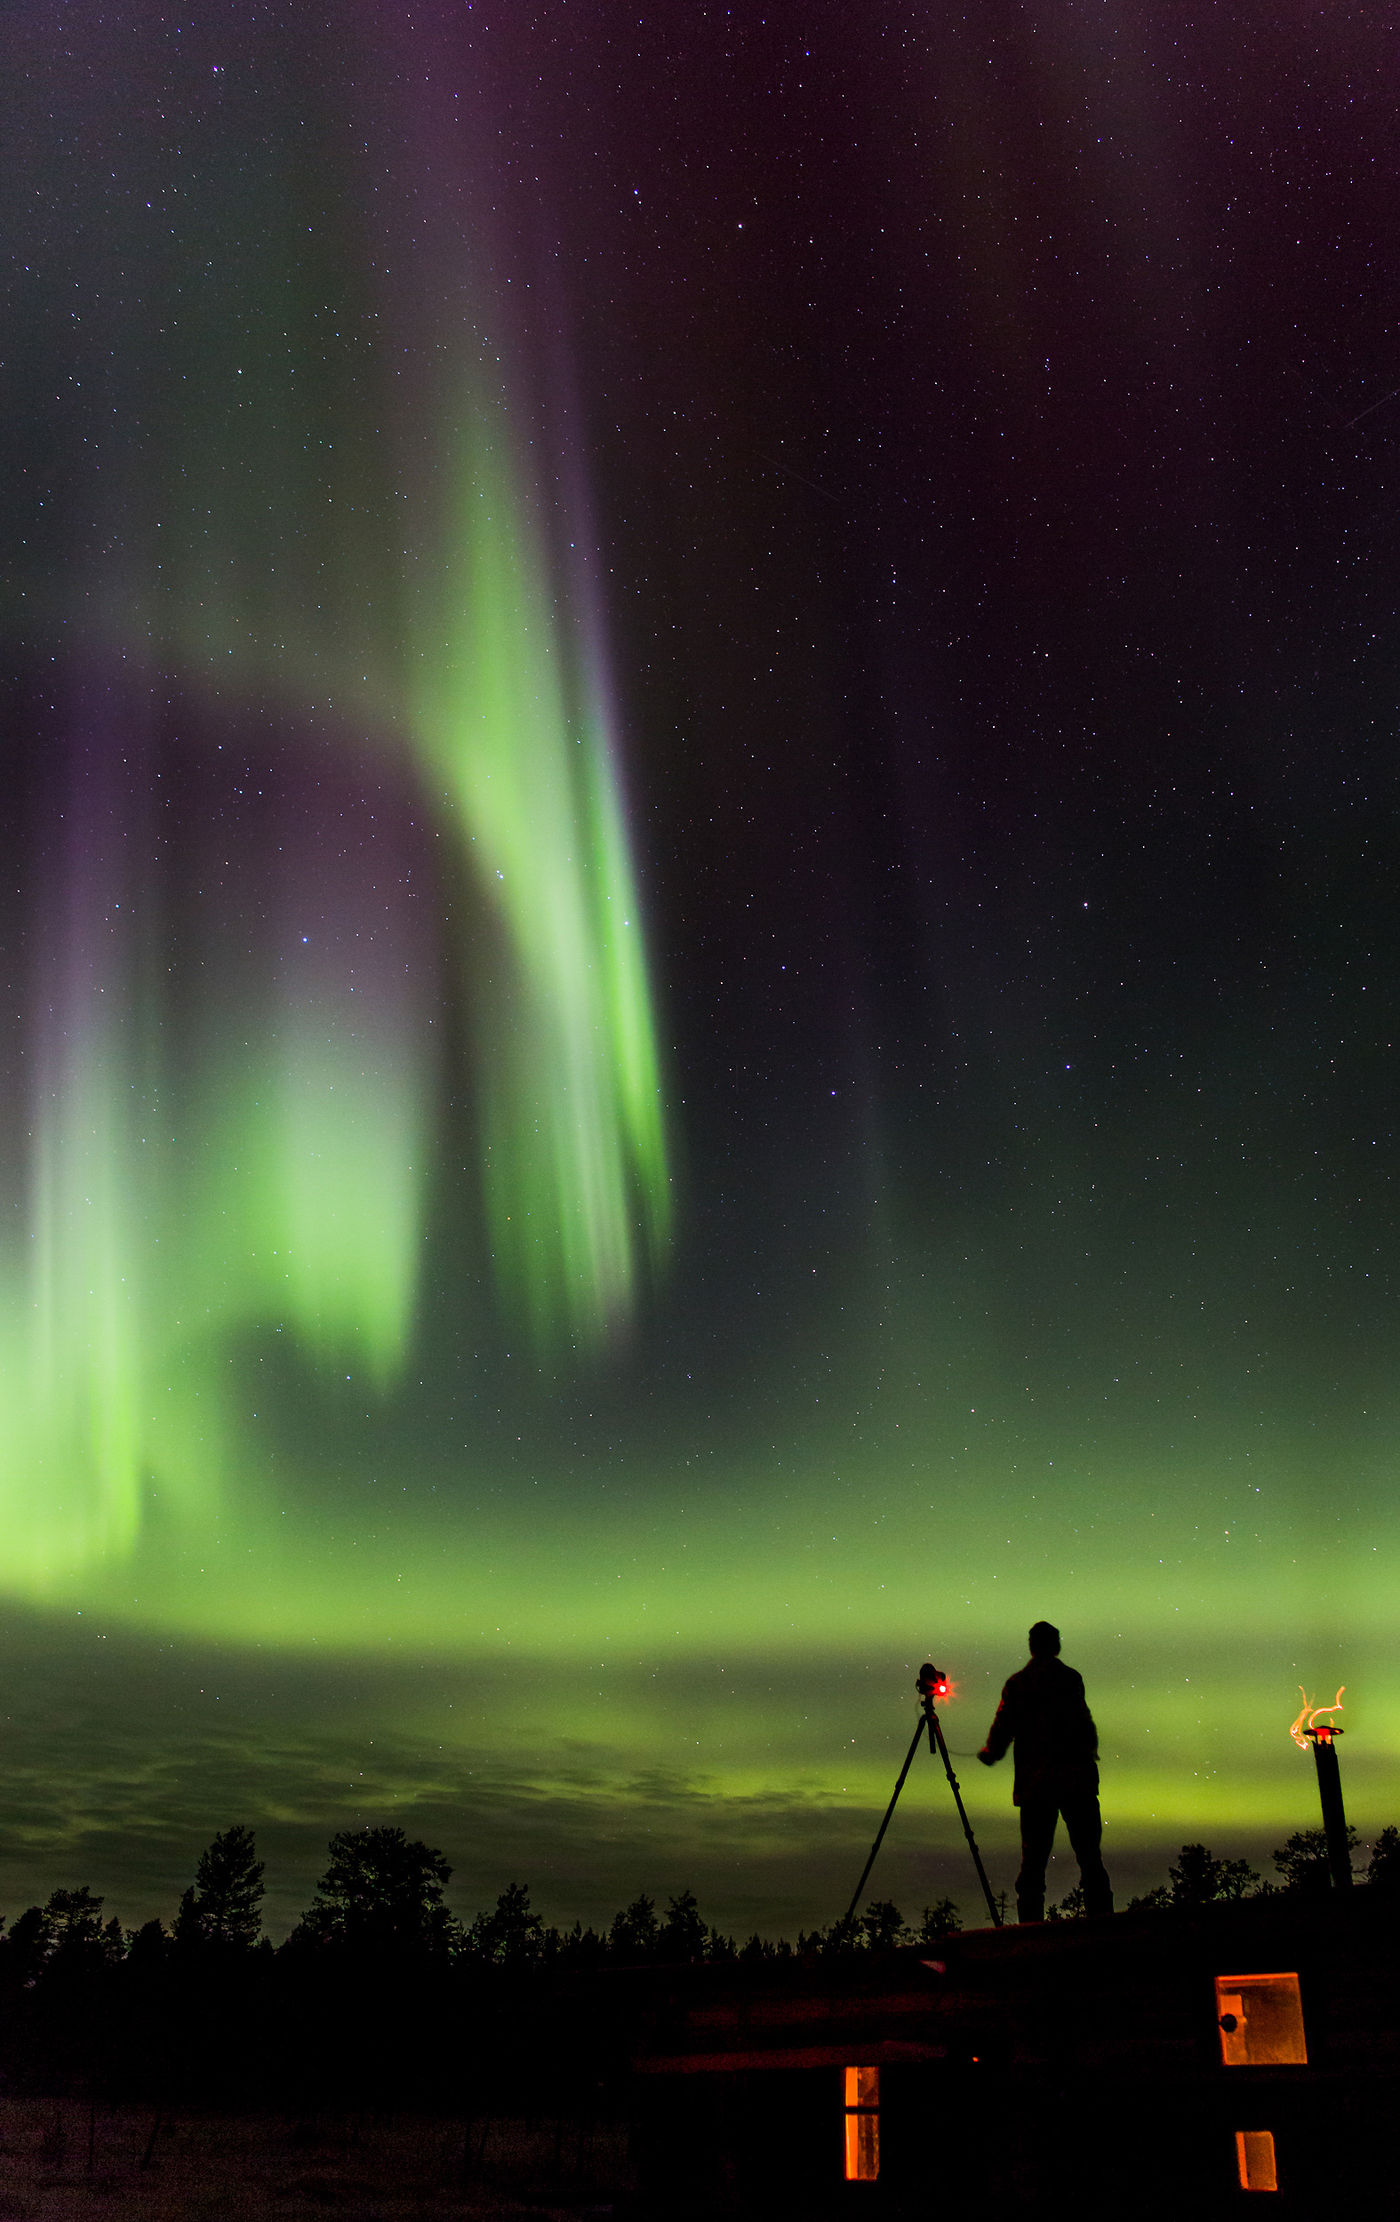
pixel 1231 1992
pixel 860 2121
pixel 1242 2159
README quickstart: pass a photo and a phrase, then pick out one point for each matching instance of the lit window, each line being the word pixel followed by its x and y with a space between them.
pixel 862 2124
pixel 1261 2021
pixel 1258 2168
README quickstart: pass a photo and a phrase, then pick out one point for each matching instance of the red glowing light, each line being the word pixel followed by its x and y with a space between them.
pixel 1308 1721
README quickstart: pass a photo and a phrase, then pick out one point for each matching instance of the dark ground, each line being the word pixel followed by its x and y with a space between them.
pixel 60 2164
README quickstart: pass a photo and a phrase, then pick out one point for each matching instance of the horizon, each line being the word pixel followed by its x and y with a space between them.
pixel 769 1866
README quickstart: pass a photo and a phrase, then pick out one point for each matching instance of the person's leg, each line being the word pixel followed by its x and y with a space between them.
pixel 1038 1818
pixel 1085 1828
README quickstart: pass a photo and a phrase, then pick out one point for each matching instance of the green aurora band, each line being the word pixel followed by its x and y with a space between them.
pixel 283 1185
pixel 571 1111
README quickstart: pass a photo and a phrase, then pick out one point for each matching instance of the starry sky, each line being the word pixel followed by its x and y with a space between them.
pixel 699 931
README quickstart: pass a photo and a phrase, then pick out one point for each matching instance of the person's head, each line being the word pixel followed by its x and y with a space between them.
pixel 1044 1641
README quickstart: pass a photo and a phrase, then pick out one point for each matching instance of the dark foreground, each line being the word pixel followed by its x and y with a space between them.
pixel 62 2162
pixel 1146 2063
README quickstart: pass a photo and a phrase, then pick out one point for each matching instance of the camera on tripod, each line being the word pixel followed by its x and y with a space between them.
pixel 932 1684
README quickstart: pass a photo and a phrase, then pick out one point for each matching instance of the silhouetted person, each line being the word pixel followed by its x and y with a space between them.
pixel 1044 1713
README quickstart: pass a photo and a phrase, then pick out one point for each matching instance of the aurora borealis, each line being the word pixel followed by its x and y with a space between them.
pixel 700 931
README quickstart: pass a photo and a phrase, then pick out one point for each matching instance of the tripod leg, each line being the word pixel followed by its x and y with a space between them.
pixel 849 1915
pixel 935 1737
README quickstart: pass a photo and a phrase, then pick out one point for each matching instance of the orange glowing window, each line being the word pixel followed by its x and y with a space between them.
pixel 1254 2149
pixel 1261 2021
pixel 862 2094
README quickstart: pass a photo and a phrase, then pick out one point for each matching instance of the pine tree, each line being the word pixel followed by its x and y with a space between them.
pixel 1383 1872
pixel 939 1922
pixel 1200 1879
pixel 74 1920
pixel 228 1890
pixel 510 1935
pixel 683 1930
pixel 881 1927
pixel 381 1893
pixel 1303 1861
pixel 635 1932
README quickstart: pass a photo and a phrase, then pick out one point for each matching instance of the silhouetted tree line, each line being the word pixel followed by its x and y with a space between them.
pixel 381 1994
pixel 1200 1879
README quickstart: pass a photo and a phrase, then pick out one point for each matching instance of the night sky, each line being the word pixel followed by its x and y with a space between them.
pixel 699 926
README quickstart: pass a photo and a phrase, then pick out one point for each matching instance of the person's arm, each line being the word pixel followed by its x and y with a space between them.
pixel 1088 1734
pixel 1002 1731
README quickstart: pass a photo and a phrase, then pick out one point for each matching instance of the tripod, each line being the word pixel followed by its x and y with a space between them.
pixel 930 1684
